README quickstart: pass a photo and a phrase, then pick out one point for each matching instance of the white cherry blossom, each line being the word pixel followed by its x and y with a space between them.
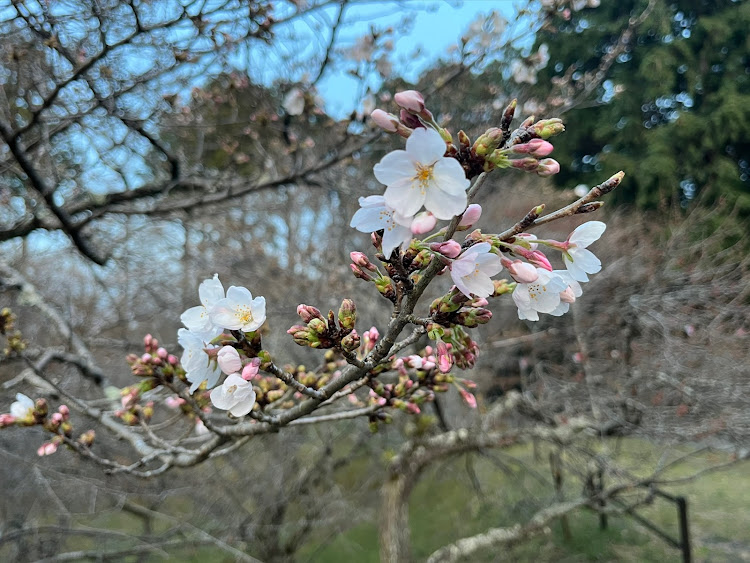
pixel 235 395
pixel 421 175
pixel 196 319
pixel 473 270
pixel 375 215
pixel 23 406
pixel 540 296
pixel 196 363
pixel 569 294
pixel 578 260
pixel 239 311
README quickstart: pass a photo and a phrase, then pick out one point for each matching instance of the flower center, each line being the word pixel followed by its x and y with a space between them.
pixel 244 314
pixel 231 390
pixel 424 175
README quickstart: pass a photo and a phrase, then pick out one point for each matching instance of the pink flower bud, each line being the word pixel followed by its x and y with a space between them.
pixel 409 120
pixel 162 353
pixel 535 148
pixel 522 272
pixel 412 408
pixel 173 360
pixel 6 420
pixel 229 360
pixel 480 302
pixel 48 448
pixel 174 402
pixel 548 167
pixel 423 223
pixel 449 248
pixel 386 121
pixel 537 257
pixel 410 100
pixel 527 164
pixel 57 418
pixel 445 360
pixel 147 340
pixel 568 296
pixel 361 260
pixel 64 410
pixel 146 358
pixel 250 371
pixel 471 215
pixel 469 398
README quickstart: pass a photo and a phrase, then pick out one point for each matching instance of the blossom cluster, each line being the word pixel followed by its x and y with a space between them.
pixel 433 173
pixel 206 355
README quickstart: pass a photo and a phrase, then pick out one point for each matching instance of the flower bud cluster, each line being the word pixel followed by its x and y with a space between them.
pixel 323 332
pixel 15 344
pixel 27 412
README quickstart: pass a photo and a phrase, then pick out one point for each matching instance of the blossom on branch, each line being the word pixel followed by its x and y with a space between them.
pixel 196 362
pixel 471 272
pixel 421 175
pixel 239 311
pixel 196 319
pixel 569 294
pixel 578 260
pixel 235 395
pixel 23 407
pixel 539 296
pixel 375 215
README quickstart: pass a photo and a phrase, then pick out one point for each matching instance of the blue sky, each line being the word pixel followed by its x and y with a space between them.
pixel 436 26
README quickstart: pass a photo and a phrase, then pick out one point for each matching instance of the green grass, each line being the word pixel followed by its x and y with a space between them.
pixel 444 507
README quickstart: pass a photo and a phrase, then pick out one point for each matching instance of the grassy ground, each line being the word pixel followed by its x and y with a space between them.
pixel 512 486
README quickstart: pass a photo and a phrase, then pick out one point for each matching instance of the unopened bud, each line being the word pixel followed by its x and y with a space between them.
pixel 535 147
pixel 449 248
pixel 612 182
pixel 488 141
pixel 360 273
pixel 470 216
pixel 548 167
pixel 410 100
pixel 229 360
pixel 87 438
pixel 409 120
pixel 361 260
pixel 522 272
pixel 502 287
pixel 547 128
pixel 347 315
pixel 423 223
pixel 463 139
pixel 527 164
pixel 308 313
pixel 386 121
pixel 350 342
pixel 568 296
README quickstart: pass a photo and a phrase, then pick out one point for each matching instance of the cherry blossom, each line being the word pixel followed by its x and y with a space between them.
pixel 578 260
pixel 196 319
pixel 239 311
pixel 235 395
pixel 374 215
pixel 540 296
pixel 421 175
pixel 569 294
pixel 471 272
pixel 198 366
pixel 23 407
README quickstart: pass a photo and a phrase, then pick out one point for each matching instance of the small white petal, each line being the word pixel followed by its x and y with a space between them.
pixel 587 233
pixel 425 146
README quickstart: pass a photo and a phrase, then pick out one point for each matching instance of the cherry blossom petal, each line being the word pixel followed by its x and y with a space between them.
pixel 425 146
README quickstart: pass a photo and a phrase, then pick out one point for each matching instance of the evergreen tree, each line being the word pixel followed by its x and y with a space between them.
pixel 675 110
